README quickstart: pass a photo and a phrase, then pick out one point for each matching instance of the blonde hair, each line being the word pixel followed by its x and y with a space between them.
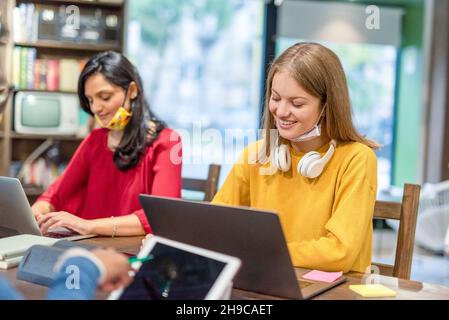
pixel 319 71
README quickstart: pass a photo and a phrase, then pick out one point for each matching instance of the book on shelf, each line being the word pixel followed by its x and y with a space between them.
pixel 53 75
pixel 41 173
pixel 66 67
pixel 29 72
pixel 33 73
pixel 26 17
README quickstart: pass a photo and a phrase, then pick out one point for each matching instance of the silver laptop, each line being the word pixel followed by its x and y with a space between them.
pixel 16 216
pixel 253 236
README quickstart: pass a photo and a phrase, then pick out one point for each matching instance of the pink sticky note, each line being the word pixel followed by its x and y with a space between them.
pixel 322 276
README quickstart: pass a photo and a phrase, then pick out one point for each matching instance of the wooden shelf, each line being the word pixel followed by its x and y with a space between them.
pixel 60 45
pixel 18 136
pixel 93 3
pixel 39 90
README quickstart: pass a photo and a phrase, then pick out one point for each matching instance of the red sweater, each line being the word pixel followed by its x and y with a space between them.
pixel 92 186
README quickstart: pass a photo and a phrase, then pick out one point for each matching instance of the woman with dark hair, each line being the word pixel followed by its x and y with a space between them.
pixel 132 153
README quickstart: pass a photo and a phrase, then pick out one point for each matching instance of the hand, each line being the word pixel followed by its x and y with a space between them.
pixel 36 212
pixel 41 207
pixel 147 237
pixel 116 266
pixel 64 219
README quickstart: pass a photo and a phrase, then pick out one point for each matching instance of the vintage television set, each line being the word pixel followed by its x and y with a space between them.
pixel 46 113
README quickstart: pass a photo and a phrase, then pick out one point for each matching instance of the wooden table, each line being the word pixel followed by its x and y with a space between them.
pixel 406 289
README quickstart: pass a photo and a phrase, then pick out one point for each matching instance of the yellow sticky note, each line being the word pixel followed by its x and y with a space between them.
pixel 373 290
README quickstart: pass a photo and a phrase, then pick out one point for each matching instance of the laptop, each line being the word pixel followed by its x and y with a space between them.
pixel 16 216
pixel 253 236
pixel 173 271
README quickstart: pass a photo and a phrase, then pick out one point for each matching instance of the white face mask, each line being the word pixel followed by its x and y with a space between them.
pixel 312 133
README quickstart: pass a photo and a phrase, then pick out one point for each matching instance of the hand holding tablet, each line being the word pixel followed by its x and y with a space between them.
pixel 167 269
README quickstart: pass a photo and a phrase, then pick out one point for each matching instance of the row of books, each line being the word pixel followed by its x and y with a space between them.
pixel 40 173
pixel 26 21
pixel 29 72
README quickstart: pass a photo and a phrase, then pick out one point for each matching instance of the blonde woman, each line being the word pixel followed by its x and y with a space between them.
pixel 324 181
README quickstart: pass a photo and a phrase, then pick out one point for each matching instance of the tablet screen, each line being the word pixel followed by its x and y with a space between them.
pixel 173 274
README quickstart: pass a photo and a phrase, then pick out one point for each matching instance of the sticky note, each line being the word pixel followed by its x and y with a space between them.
pixel 373 290
pixel 322 276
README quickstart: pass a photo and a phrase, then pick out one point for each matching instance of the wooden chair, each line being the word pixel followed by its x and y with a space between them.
pixel 208 186
pixel 406 212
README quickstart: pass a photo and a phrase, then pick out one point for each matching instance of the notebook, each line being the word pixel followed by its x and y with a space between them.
pixel 10 263
pixel 37 264
pixel 16 246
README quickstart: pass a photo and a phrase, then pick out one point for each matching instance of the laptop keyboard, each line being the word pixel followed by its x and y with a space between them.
pixel 59 235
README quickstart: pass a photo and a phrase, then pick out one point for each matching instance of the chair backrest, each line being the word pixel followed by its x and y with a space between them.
pixel 208 186
pixel 406 212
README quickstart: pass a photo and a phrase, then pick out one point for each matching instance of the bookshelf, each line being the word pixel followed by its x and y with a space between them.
pixel 45 43
pixel 60 45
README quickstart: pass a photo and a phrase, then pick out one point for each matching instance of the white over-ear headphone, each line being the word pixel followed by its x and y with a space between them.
pixel 311 164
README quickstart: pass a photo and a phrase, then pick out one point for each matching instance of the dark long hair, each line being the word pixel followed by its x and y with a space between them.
pixel 137 135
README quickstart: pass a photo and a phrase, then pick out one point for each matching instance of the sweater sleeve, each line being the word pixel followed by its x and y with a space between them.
pixel 351 220
pixel 235 190
pixel 7 292
pixel 73 180
pixel 77 279
pixel 167 164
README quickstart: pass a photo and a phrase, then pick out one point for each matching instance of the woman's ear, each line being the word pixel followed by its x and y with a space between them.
pixel 133 90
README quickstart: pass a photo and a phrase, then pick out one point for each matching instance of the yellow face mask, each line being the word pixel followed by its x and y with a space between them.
pixel 119 120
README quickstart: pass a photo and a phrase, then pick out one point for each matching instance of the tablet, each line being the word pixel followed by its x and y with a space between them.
pixel 175 271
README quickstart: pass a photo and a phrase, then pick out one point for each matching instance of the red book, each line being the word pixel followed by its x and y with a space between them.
pixel 52 75
pixel 37 74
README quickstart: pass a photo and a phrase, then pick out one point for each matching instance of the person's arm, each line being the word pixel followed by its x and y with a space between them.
pixel 349 223
pixel 81 272
pixel 167 179
pixel 70 182
pixel 7 292
pixel 166 182
pixel 42 207
pixel 128 225
pixel 236 189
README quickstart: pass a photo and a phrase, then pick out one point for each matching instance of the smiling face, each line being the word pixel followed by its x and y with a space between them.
pixel 295 111
pixel 105 98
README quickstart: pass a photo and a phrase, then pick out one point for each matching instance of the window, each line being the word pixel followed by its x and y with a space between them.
pixel 369 59
pixel 201 66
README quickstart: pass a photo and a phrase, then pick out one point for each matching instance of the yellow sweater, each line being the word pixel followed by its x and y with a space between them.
pixel 327 221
